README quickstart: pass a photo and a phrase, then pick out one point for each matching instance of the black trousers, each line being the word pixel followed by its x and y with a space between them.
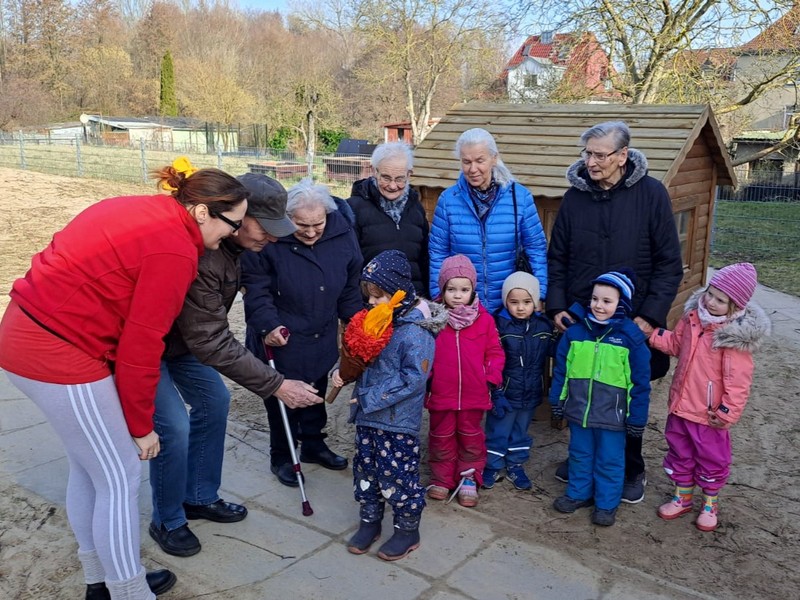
pixel 306 424
pixel 634 461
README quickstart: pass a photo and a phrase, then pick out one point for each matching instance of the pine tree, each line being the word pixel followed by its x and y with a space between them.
pixel 169 103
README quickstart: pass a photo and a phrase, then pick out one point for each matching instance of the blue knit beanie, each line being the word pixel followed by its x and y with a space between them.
pixel 622 280
pixel 391 271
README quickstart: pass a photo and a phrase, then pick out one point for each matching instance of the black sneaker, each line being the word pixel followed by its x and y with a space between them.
pixel 604 518
pixel 565 504
pixel 633 489
pixel 178 542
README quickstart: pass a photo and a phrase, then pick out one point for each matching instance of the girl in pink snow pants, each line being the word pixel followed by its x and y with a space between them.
pixel 714 342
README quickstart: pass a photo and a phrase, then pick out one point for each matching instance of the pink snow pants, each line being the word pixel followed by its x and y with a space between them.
pixel 698 454
pixel 456 443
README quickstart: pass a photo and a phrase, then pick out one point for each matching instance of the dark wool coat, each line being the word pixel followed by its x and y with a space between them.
pixel 598 230
pixel 376 231
pixel 527 343
pixel 307 289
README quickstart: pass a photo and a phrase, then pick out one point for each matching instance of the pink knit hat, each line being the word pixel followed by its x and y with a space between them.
pixel 738 281
pixel 457 266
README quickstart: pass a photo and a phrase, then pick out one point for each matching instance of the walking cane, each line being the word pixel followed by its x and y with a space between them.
pixel 307 510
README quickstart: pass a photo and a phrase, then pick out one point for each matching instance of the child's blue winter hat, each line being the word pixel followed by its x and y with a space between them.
pixel 391 271
pixel 622 280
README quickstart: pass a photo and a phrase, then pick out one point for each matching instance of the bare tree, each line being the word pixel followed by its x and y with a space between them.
pixel 415 45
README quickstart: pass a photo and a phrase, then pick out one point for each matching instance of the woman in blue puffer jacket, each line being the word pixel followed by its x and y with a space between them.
pixel 475 217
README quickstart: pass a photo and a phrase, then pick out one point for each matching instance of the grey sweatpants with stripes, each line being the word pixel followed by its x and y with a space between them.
pixel 104 477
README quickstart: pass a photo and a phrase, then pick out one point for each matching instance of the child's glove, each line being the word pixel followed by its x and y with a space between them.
pixel 500 406
pixel 634 431
pixel 556 412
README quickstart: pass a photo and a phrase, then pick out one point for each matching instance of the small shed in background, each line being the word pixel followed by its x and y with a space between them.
pixel 538 142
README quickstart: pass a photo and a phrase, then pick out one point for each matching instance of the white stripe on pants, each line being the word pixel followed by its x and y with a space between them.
pixel 104 475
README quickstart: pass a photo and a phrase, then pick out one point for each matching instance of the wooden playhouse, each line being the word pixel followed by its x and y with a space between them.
pixel 538 142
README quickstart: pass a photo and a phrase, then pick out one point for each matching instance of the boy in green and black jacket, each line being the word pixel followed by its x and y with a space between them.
pixel 601 385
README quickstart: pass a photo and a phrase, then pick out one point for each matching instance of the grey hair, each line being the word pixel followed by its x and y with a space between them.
pixel 392 150
pixel 307 194
pixel 617 129
pixel 477 136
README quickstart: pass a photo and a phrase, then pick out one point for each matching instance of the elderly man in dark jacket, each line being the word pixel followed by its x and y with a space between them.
pixel 296 291
pixel 388 213
pixel 614 216
pixel 185 476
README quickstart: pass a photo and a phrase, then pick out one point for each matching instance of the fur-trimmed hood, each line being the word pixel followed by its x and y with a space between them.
pixel 636 168
pixel 746 332
pixel 434 323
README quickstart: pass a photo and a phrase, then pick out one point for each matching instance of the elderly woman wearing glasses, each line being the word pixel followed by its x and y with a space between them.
pixel 613 216
pixel 297 289
pixel 388 213
pixel 484 216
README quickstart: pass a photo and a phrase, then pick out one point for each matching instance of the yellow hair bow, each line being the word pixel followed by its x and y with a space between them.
pixel 380 317
pixel 183 166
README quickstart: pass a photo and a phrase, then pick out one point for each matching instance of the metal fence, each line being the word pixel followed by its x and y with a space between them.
pixel 133 164
pixel 759 222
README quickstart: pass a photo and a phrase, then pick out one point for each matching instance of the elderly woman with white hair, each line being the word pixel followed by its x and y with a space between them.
pixel 388 212
pixel 297 290
pixel 484 216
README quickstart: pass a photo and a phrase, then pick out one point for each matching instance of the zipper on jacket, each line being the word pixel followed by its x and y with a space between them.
pixel 591 384
pixel 710 395
pixel 458 354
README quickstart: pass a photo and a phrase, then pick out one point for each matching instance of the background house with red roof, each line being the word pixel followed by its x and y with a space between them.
pixel 767 68
pixel 560 67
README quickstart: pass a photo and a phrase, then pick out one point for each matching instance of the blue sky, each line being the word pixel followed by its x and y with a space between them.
pixel 265 5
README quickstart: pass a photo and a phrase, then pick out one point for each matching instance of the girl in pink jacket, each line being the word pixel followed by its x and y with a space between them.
pixel 714 342
pixel 467 366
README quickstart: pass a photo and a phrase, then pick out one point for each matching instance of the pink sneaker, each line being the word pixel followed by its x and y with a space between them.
pixel 707 521
pixel 680 504
pixel 437 492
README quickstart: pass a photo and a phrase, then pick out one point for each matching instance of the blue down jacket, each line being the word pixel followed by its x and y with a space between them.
pixel 391 391
pixel 527 344
pixel 489 244
pixel 307 289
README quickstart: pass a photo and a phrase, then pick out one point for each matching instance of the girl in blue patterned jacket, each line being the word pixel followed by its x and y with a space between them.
pixel 601 385
pixel 387 410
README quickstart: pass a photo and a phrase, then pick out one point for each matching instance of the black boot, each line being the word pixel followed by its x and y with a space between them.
pixel 369 529
pixel 367 534
pixel 404 540
pixel 97 591
pixel 161 581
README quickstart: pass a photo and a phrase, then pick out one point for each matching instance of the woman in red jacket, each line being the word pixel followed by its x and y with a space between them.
pixel 83 338
pixel 468 364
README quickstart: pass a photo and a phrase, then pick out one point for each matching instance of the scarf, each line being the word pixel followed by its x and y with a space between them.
pixel 393 208
pixel 463 316
pixel 483 200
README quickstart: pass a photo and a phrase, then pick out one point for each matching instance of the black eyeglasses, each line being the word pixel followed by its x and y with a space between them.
pixel 235 225
pixel 598 156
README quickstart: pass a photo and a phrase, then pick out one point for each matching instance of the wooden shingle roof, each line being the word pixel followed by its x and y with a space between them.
pixel 538 142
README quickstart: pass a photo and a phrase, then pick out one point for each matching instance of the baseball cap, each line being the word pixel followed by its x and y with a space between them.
pixel 267 204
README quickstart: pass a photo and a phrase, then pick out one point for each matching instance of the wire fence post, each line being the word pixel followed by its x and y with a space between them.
pixel 78 155
pixel 22 163
pixel 143 160
pixel 219 158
